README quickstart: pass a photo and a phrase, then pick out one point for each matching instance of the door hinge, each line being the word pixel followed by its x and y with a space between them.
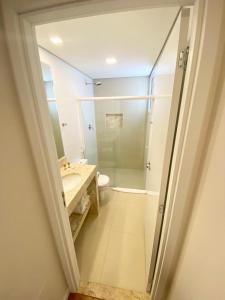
pixel 161 208
pixel 183 58
pixel 148 165
pixel 64 199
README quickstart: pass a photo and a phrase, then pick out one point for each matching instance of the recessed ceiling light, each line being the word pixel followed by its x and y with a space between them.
pixel 111 60
pixel 56 40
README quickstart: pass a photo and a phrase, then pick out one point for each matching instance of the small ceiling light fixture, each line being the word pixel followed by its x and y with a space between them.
pixel 56 40
pixel 111 60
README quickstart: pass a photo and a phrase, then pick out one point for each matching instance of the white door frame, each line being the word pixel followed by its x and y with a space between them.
pixel 198 96
pixel 27 74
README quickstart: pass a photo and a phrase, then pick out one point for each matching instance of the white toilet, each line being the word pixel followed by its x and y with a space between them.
pixel 103 180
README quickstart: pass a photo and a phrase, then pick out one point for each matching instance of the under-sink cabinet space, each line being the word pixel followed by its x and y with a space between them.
pixel 81 194
pixel 77 220
pixel 92 191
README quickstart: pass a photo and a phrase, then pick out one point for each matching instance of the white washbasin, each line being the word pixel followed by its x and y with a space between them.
pixel 70 181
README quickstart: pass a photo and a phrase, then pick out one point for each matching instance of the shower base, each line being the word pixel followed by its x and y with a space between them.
pixel 125 178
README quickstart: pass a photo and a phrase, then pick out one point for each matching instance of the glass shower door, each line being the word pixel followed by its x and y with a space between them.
pixel 120 133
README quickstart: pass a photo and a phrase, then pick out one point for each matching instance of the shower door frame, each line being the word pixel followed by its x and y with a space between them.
pixel 28 80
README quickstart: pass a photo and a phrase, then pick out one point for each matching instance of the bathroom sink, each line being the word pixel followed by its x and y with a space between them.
pixel 70 181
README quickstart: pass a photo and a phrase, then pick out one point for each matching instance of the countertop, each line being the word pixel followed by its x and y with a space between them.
pixel 87 173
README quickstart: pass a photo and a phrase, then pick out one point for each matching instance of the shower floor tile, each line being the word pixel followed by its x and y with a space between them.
pixel 125 178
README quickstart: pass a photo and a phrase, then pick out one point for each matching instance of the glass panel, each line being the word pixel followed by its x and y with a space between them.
pixel 89 129
pixel 52 106
pixel 120 127
pixel 49 89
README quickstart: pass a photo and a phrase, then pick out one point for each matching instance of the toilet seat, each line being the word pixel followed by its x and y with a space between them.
pixel 103 180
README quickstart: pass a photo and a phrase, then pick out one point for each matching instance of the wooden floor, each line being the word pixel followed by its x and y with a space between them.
pixel 81 297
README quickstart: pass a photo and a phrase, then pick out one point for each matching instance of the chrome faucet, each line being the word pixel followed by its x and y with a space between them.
pixel 67 166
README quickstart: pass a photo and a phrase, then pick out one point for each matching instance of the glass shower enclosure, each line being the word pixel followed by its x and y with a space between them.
pixel 119 127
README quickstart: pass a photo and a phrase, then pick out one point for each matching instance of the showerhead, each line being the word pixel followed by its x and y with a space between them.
pixel 95 83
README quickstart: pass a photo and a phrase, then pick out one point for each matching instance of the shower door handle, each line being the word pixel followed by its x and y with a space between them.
pixel 148 165
pixel 90 127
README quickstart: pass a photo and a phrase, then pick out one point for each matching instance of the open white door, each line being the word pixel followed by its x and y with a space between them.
pixel 158 128
pixel 171 136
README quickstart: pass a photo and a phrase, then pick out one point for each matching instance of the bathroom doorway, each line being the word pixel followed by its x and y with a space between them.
pixel 79 132
pixel 125 126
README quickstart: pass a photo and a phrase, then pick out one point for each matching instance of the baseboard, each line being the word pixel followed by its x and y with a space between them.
pixel 67 292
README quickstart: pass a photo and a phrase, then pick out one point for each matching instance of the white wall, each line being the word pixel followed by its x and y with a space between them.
pixel 124 86
pixel 69 83
pixel 29 264
pixel 201 269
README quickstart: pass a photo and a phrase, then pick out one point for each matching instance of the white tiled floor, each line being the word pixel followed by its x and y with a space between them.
pixel 111 248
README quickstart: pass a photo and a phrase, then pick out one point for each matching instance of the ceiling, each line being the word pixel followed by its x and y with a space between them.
pixel 134 38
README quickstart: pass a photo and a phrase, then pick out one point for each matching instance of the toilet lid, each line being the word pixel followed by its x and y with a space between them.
pixel 103 180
